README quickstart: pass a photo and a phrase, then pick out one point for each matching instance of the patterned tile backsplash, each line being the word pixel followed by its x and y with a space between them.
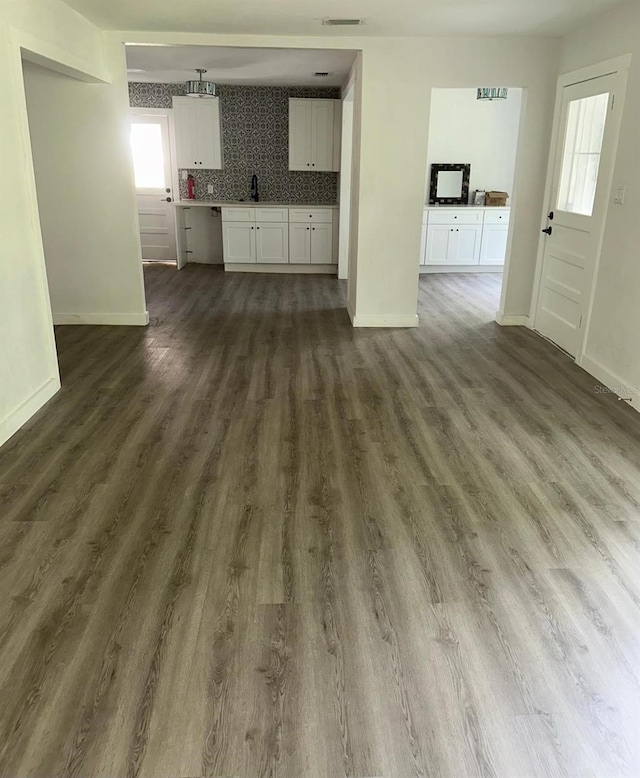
pixel 255 125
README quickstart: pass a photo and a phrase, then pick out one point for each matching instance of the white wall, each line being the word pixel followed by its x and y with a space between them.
pixel 612 350
pixel 48 30
pixel 484 134
pixel 82 171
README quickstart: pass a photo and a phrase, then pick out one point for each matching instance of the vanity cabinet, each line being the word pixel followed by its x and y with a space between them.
pixel 464 237
pixel 314 134
pixel 198 137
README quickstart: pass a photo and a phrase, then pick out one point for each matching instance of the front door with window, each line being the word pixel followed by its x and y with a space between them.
pixel 150 144
pixel 583 162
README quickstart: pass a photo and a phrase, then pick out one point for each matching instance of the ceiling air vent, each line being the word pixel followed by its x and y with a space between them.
pixel 342 22
pixel 321 74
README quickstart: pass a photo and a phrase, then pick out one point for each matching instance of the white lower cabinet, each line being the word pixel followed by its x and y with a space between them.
pixel 299 244
pixel 278 236
pixel 239 242
pixel 310 244
pixel 272 243
pixel 494 244
pixel 321 244
pixel 458 236
pixel 453 245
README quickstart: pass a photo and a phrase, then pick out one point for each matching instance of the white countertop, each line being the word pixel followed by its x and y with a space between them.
pixel 245 204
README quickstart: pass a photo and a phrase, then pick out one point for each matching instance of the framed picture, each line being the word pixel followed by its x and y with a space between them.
pixel 478 197
pixel 450 184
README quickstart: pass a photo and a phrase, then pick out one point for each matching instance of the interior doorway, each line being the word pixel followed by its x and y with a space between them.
pixel 588 113
pixel 471 169
pixel 153 154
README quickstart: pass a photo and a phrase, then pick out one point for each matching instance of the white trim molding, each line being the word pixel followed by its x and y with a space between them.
pixel 376 320
pixel 21 415
pixel 512 320
pixel 623 389
pixel 118 319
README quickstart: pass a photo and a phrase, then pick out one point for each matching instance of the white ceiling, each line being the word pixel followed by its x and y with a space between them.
pixel 384 17
pixel 232 65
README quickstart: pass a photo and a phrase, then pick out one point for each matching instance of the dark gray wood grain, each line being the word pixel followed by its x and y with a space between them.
pixel 250 540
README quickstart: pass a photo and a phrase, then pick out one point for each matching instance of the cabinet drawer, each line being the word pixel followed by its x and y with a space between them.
pixel 324 215
pixel 454 216
pixel 238 214
pixel 272 214
pixel 497 216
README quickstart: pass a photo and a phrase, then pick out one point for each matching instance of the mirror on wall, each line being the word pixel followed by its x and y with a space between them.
pixel 449 184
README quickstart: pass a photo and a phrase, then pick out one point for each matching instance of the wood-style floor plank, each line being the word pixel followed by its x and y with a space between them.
pixel 252 541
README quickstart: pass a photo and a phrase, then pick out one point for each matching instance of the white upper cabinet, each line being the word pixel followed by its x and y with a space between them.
pixel 314 134
pixel 198 137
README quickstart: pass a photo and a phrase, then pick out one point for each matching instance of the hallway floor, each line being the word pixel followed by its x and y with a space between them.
pixel 251 541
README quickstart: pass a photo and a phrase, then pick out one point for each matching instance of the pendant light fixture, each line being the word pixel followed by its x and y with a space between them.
pixel 199 87
pixel 490 93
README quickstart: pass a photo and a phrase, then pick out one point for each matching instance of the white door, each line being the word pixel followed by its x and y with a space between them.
pixel 494 244
pixel 584 158
pixel 151 150
pixel 239 242
pixel 322 244
pixel 322 131
pixel 299 244
pixel 272 242
pixel 299 134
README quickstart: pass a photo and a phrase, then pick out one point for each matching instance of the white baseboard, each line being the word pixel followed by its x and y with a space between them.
pixel 237 267
pixel 432 269
pixel 512 320
pixel 623 389
pixel 383 321
pixel 121 319
pixel 21 415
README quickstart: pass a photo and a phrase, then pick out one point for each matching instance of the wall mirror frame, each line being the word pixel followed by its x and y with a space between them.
pixel 449 197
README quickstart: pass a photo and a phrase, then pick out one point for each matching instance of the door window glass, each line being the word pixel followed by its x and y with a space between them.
pixel 586 119
pixel 148 155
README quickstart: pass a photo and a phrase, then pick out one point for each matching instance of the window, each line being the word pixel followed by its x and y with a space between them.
pixel 148 155
pixel 586 120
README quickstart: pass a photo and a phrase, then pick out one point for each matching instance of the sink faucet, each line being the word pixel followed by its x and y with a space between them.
pixel 254 188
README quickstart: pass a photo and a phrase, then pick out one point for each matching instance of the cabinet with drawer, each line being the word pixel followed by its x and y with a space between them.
pixel 306 215
pixel 464 237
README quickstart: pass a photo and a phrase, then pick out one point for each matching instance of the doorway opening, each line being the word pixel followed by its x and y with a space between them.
pixel 254 180
pixel 471 167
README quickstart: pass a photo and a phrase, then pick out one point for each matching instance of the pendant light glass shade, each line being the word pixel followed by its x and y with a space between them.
pixel 492 93
pixel 200 88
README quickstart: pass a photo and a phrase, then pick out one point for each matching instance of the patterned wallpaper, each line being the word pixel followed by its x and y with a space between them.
pixel 255 125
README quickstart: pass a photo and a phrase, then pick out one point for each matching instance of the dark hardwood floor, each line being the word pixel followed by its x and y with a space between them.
pixel 251 541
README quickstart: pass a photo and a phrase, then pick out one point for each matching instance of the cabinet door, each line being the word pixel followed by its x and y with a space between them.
pixel 208 139
pixel 239 242
pixel 322 132
pixel 423 245
pixel 299 244
pixel 494 244
pixel 184 120
pixel 437 244
pixel 299 134
pixel 321 244
pixel 464 248
pixel 272 242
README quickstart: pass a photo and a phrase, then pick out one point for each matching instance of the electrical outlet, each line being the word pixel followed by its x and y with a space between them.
pixel 209 188
pixel 619 196
pixel 184 175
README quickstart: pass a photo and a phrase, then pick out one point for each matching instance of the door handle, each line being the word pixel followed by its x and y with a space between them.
pixel 548 231
pixel 166 199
